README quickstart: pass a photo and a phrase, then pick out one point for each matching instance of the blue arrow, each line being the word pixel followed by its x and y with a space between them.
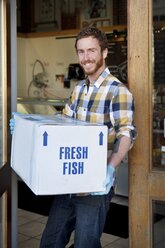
pixel 101 135
pixel 45 138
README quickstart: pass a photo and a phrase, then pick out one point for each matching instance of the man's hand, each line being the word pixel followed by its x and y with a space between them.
pixel 109 181
pixel 12 122
pixel 11 125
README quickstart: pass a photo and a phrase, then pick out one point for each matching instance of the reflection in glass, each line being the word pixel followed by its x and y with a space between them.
pixel 0 106
pixel 0 126
pixel 159 224
pixel 1 83
pixel 1 133
pixel 2 209
pixel 159 84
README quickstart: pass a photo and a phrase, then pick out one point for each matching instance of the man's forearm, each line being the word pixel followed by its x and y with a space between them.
pixel 120 151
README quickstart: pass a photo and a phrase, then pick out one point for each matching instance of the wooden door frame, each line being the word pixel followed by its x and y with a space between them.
pixel 145 183
pixel 8 179
pixel 5 173
pixel 5 170
pixel 12 107
pixel 5 193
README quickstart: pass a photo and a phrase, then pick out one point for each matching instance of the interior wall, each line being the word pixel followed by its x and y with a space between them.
pixel 55 54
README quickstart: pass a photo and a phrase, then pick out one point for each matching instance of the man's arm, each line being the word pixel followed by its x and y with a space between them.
pixel 120 150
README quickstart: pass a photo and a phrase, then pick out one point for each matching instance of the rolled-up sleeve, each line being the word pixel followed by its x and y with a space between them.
pixel 122 114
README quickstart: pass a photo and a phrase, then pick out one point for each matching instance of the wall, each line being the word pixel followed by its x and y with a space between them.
pixel 55 54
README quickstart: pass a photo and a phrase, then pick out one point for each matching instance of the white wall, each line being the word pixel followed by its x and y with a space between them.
pixel 55 54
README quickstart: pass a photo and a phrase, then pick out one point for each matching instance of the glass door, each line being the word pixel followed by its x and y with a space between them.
pixel 4 168
pixel 146 73
pixel 158 141
pixel 159 85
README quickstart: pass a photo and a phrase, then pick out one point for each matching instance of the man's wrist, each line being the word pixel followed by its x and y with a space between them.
pixel 111 166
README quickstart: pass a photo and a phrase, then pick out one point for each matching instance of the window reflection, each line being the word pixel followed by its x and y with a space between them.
pixel 0 129
pixel 0 105
pixel 159 84
pixel 1 83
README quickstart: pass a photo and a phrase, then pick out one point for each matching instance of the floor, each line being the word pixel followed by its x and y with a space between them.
pixel 31 225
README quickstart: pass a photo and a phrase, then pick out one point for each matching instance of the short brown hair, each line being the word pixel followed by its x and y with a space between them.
pixel 95 33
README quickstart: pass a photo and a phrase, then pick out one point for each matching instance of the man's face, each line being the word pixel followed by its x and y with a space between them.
pixel 90 56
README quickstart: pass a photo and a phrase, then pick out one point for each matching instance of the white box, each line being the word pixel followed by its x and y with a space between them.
pixel 59 155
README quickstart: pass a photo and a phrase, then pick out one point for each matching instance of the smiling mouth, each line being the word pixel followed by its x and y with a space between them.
pixel 88 63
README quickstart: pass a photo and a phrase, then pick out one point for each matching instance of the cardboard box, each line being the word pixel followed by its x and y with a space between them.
pixel 59 155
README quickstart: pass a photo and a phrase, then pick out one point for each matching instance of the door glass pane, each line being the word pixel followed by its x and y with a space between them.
pixel 1 139
pixel 159 224
pixel 1 86
pixel 1 81
pixel 2 66
pixel 159 84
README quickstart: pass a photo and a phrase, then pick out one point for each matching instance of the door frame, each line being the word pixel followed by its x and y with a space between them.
pixel 145 183
pixel 8 179
pixel 5 194
pixel 5 171
pixel 12 99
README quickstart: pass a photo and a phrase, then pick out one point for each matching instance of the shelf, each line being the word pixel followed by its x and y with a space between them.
pixel 68 33
pixel 73 32
pixel 158 131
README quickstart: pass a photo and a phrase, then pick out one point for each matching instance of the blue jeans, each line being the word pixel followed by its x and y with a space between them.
pixel 84 214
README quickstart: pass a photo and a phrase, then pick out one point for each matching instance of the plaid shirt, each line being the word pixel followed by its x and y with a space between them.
pixel 106 101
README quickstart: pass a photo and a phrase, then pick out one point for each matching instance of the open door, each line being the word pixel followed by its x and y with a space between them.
pixel 8 180
pixel 4 167
pixel 146 73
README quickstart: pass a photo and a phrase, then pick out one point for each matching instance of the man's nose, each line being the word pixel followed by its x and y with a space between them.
pixel 86 56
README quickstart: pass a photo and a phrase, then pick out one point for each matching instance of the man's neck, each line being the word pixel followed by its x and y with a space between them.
pixel 96 75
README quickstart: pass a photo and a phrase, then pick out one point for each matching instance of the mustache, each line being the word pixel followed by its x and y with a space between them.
pixel 87 62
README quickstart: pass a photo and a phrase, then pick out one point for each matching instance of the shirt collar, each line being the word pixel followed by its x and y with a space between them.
pixel 100 79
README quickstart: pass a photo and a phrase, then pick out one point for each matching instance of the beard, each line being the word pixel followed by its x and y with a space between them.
pixel 96 65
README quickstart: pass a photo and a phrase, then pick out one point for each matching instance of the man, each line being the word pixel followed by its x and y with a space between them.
pixel 99 98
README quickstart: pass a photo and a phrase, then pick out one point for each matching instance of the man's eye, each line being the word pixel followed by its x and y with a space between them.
pixel 92 51
pixel 80 52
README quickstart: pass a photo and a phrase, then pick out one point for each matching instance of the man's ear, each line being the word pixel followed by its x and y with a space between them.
pixel 105 53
